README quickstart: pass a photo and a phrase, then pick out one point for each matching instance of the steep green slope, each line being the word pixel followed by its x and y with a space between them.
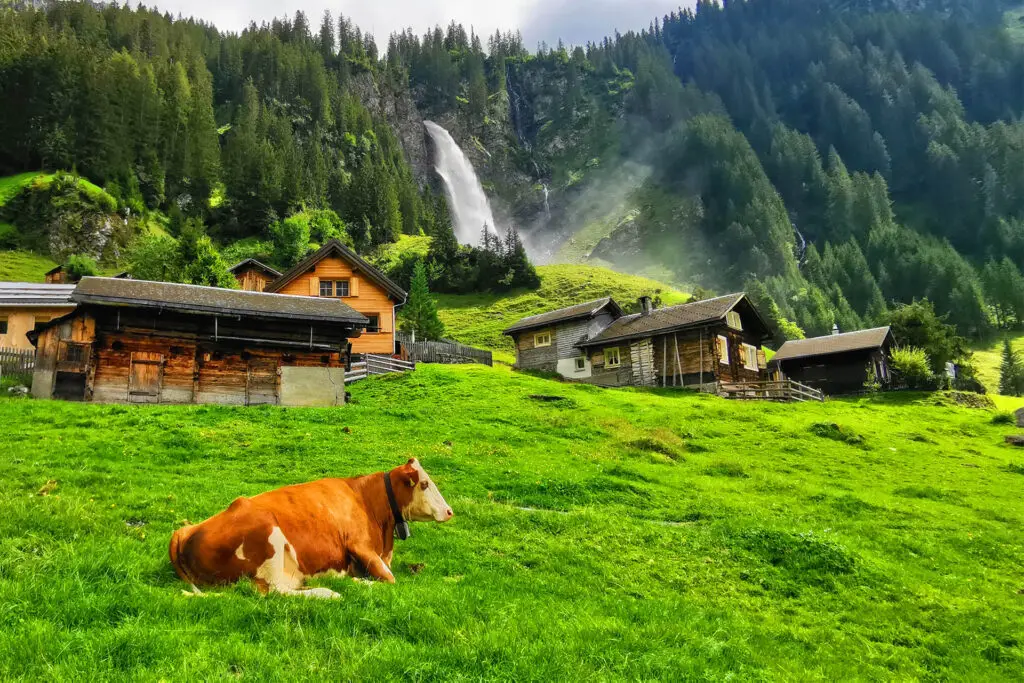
pixel 987 360
pixel 478 319
pixel 611 534
pixel 23 266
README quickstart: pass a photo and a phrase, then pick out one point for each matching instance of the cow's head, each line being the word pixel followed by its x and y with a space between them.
pixel 421 501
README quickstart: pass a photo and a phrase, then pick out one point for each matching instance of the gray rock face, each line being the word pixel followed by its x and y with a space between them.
pixel 1016 440
pixel 399 110
pixel 1020 417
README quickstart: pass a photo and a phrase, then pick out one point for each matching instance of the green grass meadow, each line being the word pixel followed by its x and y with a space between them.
pixel 608 534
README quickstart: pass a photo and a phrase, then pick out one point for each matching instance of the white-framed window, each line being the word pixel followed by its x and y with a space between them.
pixel 612 358
pixel 581 364
pixel 326 288
pixel 542 339
pixel 334 288
pixel 374 324
pixel 723 349
pixel 732 319
pixel 750 357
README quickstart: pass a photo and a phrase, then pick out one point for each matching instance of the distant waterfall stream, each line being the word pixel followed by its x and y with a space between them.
pixel 469 206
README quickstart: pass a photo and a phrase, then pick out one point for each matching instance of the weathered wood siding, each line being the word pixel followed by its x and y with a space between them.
pixel 252 280
pixel 529 356
pixel 364 295
pixel 604 376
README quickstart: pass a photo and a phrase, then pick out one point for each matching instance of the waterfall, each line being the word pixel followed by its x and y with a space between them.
pixel 469 206
pixel 547 204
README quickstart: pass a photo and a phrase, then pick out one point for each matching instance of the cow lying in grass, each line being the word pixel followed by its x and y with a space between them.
pixel 328 527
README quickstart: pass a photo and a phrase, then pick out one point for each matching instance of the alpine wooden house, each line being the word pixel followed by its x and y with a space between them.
pixel 700 344
pixel 837 363
pixel 335 272
pixel 154 342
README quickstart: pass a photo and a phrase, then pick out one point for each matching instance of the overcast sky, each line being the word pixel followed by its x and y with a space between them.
pixel 575 21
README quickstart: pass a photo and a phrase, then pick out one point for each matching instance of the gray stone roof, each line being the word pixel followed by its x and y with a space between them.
pixel 30 294
pixel 639 325
pixel 584 310
pixel 213 300
pixel 834 343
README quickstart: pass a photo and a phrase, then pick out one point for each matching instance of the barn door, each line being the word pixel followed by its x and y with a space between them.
pixel 145 378
pixel 261 382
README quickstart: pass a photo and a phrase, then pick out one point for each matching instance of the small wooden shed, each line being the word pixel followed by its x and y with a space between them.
pixel 837 363
pixel 134 341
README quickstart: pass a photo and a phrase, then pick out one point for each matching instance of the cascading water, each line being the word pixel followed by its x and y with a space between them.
pixel 470 209
pixel 547 203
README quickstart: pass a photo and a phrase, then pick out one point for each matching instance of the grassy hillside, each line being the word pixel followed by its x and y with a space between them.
pixel 987 360
pixel 478 319
pixel 23 266
pixel 12 185
pixel 608 534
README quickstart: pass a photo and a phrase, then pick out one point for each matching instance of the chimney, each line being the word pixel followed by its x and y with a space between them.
pixel 646 305
pixel 835 329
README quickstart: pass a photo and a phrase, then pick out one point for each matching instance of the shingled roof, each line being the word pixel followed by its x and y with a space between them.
pixel 30 294
pixel 585 310
pixel 661 320
pixel 213 301
pixel 834 343
pixel 336 247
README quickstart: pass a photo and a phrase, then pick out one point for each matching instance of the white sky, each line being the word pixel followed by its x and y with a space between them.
pixel 575 21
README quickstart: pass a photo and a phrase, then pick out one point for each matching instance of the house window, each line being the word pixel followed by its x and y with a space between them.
pixel 3 325
pixel 750 357
pixel 611 358
pixel 542 339
pixel 581 364
pixel 374 324
pixel 38 323
pixel 723 350
pixel 732 319
pixel 336 288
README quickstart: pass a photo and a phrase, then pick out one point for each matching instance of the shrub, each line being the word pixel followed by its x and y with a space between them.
pixel 1003 418
pixel 79 266
pixel 912 367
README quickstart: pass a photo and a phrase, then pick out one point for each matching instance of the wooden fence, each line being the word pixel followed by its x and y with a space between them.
pixel 785 390
pixel 447 351
pixel 369 364
pixel 17 363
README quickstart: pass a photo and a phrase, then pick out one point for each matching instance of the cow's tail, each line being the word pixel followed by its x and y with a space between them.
pixel 178 561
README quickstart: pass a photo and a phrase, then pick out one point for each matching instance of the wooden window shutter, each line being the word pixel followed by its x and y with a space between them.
pixel 762 359
pixel 314 286
pixel 353 286
pixel 385 321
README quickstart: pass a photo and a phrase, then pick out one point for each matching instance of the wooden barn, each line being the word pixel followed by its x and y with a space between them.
pixel 136 341
pixel 837 363
pixel 700 344
pixel 252 275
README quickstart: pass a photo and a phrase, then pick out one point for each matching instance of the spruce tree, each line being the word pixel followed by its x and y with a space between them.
pixel 419 315
pixel 1011 375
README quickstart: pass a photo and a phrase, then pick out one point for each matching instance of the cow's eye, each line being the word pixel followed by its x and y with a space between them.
pixel 424 485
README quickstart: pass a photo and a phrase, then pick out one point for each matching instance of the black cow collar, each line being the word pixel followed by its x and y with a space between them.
pixel 401 526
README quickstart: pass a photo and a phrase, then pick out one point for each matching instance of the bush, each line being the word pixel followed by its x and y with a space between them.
pixel 79 266
pixel 911 366
pixel 1003 418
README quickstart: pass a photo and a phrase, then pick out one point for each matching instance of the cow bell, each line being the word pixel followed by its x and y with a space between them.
pixel 402 530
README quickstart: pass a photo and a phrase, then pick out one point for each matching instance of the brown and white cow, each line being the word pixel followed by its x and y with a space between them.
pixel 328 527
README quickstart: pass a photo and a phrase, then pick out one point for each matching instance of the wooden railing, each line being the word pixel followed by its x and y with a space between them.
pixel 370 364
pixel 783 390
pixel 17 363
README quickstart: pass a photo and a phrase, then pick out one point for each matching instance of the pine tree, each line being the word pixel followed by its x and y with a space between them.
pixel 1011 374
pixel 419 315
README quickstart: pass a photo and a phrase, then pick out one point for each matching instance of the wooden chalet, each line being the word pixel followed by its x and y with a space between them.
pixel 337 272
pixel 154 342
pixel 252 275
pixel 27 306
pixel 700 344
pixel 837 363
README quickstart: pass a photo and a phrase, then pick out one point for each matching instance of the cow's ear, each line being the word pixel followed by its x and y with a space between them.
pixel 412 477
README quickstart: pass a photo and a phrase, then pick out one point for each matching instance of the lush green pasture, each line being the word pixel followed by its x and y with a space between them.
pixel 988 358
pixel 23 266
pixel 478 319
pixel 609 534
